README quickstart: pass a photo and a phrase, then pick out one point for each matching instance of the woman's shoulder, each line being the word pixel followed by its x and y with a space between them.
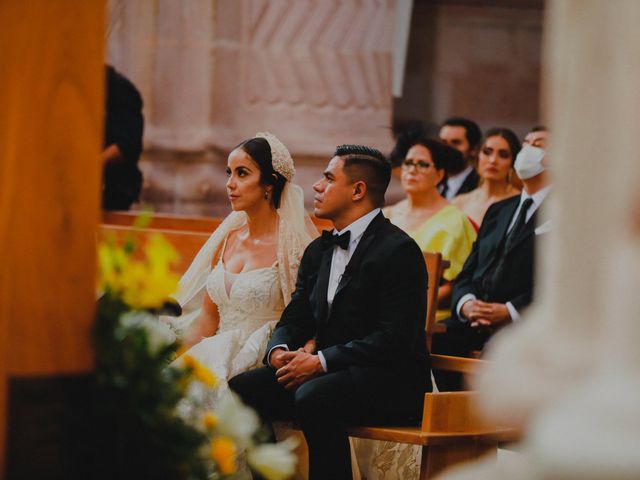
pixel 394 209
pixel 453 213
pixel 461 200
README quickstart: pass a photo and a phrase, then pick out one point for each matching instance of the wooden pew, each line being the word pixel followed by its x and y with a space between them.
pixel 167 221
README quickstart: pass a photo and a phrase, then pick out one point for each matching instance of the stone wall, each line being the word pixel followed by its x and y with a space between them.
pixel 317 73
pixel 482 62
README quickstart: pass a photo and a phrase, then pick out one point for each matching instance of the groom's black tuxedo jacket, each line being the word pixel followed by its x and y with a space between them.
pixel 516 281
pixel 375 327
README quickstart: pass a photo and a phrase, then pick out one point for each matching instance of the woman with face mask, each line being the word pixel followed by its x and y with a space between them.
pixel 495 168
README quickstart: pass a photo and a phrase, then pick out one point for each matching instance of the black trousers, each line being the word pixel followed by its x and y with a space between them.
pixel 459 341
pixel 324 407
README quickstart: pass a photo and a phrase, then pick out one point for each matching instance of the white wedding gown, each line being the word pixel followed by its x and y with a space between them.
pixel 250 304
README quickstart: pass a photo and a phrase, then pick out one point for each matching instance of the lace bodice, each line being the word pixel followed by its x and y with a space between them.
pixel 252 299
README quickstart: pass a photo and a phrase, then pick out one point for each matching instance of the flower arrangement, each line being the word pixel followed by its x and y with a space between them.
pixel 150 411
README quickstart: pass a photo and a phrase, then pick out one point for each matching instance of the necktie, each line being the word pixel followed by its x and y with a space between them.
pixel 444 188
pixel 521 220
pixel 342 241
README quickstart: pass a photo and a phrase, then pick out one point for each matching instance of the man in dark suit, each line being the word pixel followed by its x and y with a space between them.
pixel 463 135
pixel 360 293
pixel 496 281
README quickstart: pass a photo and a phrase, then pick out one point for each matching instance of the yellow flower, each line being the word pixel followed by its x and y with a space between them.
pixel 210 420
pixel 223 452
pixel 143 283
pixel 160 253
pixel 112 261
pixel 202 373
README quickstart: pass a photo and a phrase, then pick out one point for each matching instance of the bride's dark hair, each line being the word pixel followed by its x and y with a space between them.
pixel 260 151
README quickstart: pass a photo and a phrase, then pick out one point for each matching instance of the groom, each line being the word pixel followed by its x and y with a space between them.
pixel 361 293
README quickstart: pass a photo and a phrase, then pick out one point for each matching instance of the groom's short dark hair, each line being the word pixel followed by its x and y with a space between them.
pixel 370 166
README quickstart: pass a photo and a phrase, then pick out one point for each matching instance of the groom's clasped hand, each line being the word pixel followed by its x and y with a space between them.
pixel 295 368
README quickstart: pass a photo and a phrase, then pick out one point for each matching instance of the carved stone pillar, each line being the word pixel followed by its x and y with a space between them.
pixel 317 73
pixel 570 372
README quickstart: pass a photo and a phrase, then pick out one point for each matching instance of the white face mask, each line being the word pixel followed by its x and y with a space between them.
pixel 528 162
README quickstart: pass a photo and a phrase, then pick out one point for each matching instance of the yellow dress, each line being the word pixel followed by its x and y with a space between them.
pixel 449 232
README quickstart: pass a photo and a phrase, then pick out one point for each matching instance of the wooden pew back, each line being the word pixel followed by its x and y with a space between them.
pixel 167 221
pixel 187 244
pixel 436 265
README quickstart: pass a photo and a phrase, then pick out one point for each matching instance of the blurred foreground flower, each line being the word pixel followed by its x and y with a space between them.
pixel 274 461
pixel 143 283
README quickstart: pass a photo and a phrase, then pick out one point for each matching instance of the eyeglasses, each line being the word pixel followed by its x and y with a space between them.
pixel 420 165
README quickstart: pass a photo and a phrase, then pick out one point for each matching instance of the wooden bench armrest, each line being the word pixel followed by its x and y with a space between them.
pixel 439 327
pixel 456 364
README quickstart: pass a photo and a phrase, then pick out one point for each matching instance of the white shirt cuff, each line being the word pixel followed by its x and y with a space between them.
pixel 282 345
pixel 323 362
pixel 465 298
pixel 515 316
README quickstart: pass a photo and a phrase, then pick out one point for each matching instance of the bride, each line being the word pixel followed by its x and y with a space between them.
pixel 233 293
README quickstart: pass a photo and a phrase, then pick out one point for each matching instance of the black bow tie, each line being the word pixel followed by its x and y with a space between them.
pixel 342 241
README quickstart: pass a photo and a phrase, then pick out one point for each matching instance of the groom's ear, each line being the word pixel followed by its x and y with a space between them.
pixel 359 190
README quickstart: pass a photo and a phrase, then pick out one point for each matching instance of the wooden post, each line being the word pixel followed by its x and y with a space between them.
pixel 51 127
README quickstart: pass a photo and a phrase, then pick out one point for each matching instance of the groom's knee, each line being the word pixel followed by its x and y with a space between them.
pixel 248 384
pixel 316 400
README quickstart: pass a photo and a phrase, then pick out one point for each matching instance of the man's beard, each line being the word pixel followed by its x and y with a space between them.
pixel 457 163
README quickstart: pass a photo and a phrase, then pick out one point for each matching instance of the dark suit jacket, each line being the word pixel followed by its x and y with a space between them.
pixel 516 285
pixel 470 183
pixel 375 327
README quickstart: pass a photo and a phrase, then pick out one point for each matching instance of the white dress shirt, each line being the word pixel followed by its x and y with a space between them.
pixel 339 261
pixel 341 257
pixel 537 198
pixel 454 182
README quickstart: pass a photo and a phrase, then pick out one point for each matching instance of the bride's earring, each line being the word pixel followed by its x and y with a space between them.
pixel 266 194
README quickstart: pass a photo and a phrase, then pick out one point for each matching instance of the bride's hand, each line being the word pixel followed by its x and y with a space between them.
pixel 310 346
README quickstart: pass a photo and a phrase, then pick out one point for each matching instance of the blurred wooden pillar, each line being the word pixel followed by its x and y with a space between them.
pixel 51 93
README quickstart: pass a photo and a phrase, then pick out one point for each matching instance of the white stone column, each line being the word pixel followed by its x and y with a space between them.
pixel 570 373
pixel 165 48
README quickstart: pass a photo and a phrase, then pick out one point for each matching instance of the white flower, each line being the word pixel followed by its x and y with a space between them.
pixel 159 335
pixel 274 461
pixel 236 420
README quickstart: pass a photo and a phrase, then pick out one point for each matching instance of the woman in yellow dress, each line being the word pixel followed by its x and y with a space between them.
pixel 427 217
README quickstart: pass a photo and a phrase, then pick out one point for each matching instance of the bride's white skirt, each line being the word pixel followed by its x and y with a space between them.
pixel 230 353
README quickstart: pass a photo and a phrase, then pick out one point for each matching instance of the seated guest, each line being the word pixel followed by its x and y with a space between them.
pixel 404 141
pixel 463 135
pixel 537 137
pixel 495 167
pixel 496 282
pixel 427 217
